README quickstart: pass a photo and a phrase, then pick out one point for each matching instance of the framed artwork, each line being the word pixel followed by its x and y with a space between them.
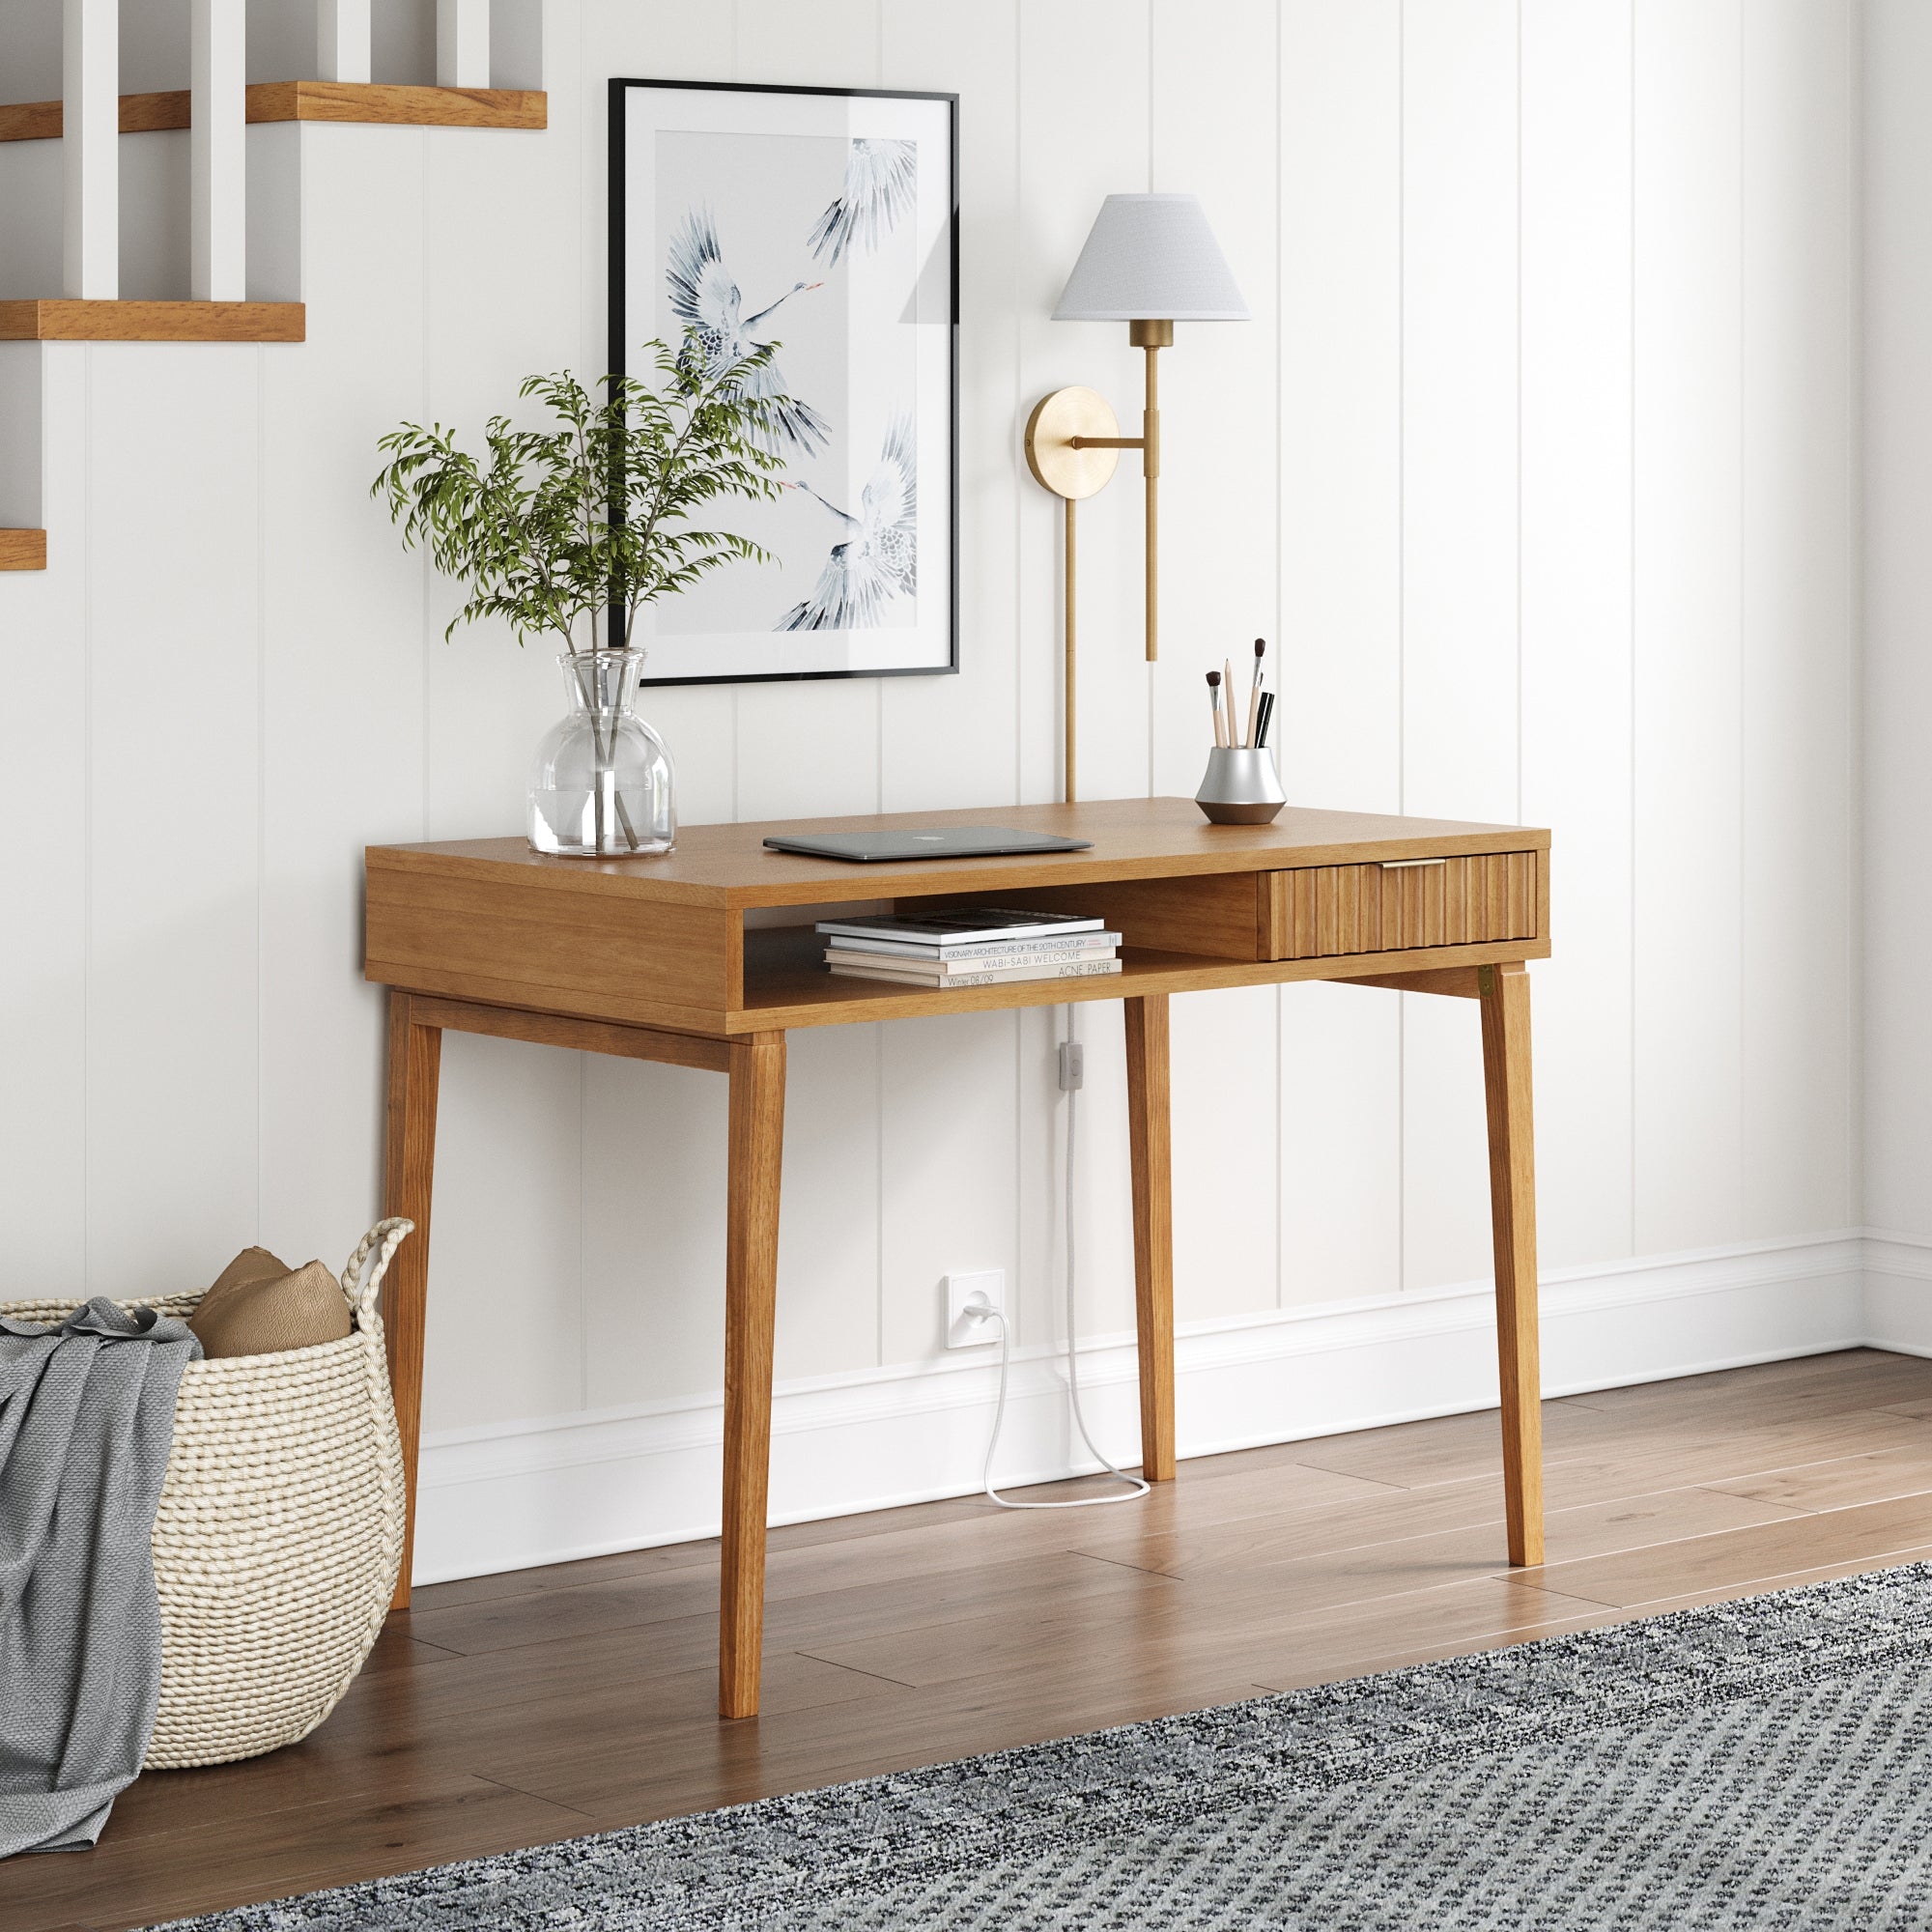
pixel 820 220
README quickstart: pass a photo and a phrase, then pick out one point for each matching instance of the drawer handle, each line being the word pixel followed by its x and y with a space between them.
pixel 1407 864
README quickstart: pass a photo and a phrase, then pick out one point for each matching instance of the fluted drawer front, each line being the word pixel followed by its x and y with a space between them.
pixel 1322 911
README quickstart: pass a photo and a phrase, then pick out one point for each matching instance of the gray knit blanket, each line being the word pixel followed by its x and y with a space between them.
pixel 87 1414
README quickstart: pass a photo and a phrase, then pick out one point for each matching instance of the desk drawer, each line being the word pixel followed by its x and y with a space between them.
pixel 1318 911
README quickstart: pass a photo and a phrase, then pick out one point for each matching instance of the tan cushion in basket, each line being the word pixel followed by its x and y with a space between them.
pixel 259 1306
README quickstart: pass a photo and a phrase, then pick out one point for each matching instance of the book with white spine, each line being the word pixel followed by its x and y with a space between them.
pixel 1060 945
pixel 1086 969
pixel 959 925
pixel 995 960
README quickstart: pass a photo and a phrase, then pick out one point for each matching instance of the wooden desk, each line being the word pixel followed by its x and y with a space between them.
pixel 655 960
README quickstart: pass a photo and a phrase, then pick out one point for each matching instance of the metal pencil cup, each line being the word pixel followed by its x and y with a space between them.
pixel 1242 787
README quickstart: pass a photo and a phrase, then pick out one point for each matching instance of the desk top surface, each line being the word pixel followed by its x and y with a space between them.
pixel 1140 837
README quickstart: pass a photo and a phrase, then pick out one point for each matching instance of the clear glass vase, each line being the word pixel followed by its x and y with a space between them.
pixel 602 785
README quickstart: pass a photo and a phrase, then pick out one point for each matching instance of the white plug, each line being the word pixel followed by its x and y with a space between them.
pixel 1072 1067
pixel 973 1303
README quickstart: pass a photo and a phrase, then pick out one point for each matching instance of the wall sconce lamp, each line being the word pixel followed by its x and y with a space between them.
pixel 1150 261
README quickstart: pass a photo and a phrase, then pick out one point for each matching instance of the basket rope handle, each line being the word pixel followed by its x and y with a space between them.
pixel 383 1241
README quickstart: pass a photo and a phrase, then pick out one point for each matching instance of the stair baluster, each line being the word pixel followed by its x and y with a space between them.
pixel 342 42
pixel 218 163
pixel 463 42
pixel 91 156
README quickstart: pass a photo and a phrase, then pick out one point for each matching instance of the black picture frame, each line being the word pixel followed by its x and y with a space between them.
pixel 618 91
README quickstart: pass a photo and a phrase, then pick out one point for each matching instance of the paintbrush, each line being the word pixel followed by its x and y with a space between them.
pixel 1214 703
pixel 1255 691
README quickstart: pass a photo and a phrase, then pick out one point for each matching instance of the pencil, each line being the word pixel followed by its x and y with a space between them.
pixel 1228 673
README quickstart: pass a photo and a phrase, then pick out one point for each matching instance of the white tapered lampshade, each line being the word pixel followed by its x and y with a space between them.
pixel 1152 257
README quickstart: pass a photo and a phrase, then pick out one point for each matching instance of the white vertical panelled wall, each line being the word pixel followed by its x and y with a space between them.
pixel 1896 488
pixel 1535 467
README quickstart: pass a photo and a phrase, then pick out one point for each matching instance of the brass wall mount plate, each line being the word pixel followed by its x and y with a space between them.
pixel 1056 420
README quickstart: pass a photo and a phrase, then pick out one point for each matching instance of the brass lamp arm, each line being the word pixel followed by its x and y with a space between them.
pixel 1152 336
pixel 1070 421
pixel 1072 463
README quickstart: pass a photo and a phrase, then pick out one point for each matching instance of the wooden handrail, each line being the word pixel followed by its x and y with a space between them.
pixel 63 321
pixel 344 101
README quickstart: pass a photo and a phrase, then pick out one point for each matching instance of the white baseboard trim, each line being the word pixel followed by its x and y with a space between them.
pixel 1899 1293
pixel 513 1496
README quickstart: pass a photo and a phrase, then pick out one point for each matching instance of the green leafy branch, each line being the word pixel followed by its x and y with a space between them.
pixel 596 513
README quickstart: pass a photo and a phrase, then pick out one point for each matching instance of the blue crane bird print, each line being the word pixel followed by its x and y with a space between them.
pixel 875 561
pixel 705 297
pixel 881 179
pixel 879 556
pixel 814 228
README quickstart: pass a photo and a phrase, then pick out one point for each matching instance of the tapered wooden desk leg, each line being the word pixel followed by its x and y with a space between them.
pixel 1148 1150
pixel 1505 1003
pixel 416 1062
pixel 750 1304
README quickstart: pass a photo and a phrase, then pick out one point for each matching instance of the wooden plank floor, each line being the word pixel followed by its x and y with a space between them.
pixel 505 1711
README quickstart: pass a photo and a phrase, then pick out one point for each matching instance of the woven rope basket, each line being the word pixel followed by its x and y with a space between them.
pixel 279 1531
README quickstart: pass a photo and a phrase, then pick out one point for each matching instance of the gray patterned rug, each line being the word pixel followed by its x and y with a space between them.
pixel 1764 1763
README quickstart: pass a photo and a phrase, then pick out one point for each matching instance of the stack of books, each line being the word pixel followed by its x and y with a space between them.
pixel 971 945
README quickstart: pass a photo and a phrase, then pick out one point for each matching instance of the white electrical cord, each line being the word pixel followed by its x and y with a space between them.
pixel 984 1311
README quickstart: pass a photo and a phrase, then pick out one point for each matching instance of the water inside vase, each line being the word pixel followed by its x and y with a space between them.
pixel 602 786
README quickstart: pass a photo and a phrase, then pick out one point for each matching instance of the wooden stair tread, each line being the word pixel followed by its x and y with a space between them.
pixel 63 319
pixel 308 101
pixel 23 550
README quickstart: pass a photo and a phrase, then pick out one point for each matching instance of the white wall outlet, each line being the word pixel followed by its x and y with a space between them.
pixel 961 1330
